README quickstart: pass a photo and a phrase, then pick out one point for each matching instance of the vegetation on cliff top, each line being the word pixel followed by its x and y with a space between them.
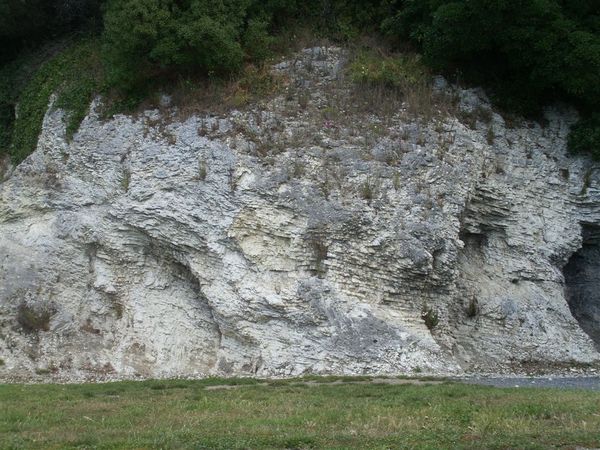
pixel 528 54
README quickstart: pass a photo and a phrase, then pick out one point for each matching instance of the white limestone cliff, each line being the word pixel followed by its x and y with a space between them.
pixel 277 241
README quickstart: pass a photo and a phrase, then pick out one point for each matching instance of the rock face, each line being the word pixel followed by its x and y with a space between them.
pixel 303 235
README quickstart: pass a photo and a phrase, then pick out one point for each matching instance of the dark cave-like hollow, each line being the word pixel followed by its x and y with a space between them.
pixel 582 280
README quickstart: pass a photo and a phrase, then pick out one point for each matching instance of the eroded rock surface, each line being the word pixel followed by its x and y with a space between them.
pixel 294 237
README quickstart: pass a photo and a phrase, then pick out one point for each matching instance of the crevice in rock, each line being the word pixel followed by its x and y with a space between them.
pixel 184 271
pixel 583 283
pixel 473 241
pixel 181 269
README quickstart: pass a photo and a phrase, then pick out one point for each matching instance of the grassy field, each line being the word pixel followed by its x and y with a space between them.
pixel 288 414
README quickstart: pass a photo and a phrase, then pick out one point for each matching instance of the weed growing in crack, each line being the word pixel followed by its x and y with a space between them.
pixel 202 170
pixel 368 190
pixel 473 307
pixel 396 181
pixel 490 136
pixel 430 317
pixel 126 180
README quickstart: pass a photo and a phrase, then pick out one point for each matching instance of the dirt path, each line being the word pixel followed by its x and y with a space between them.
pixel 589 383
pixel 586 382
pixel 311 383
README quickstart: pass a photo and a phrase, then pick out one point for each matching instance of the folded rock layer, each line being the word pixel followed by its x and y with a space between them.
pixel 298 237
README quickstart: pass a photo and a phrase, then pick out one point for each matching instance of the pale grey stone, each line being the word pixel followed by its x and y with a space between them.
pixel 279 265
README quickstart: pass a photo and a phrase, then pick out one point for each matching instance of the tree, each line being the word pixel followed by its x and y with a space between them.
pixel 148 38
pixel 527 52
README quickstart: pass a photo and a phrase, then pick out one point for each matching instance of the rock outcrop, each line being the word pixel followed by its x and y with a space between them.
pixel 302 235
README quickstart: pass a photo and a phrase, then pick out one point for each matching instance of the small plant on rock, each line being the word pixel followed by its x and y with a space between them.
pixel 202 171
pixel 430 317
pixel 298 168
pixel 34 318
pixel 473 307
pixel 368 190
pixel 491 136
pixel 320 250
pixel 126 180
pixel 396 181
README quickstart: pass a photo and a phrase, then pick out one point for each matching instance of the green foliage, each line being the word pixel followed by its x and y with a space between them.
pixel 341 19
pixel 20 23
pixel 13 78
pixel 585 136
pixel 74 74
pixel 391 71
pixel 147 39
pixel 528 53
pixel 368 190
pixel 126 180
pixel 257 40
pixel 202 170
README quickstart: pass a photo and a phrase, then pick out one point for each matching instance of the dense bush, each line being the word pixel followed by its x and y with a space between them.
pixel 585 136
pixel 32 33
pixel 527 52
pixel 21 22
pixel 146 40
pixel 150 39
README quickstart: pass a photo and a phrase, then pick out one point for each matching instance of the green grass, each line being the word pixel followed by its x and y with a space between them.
pixel 372 66
pixel 182 414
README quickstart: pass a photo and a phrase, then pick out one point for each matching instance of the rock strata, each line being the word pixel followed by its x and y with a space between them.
pixel 297 236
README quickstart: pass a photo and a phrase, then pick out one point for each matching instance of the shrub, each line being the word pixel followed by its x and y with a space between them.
pixel 34 318
pixel 257 41
pixel 473 307
pixel 396 181
pixel 368 190
pixel 585 136
pixel 430 317
pixel 146 39
pixel 253 83
pixel 126 180
pixel 526 53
